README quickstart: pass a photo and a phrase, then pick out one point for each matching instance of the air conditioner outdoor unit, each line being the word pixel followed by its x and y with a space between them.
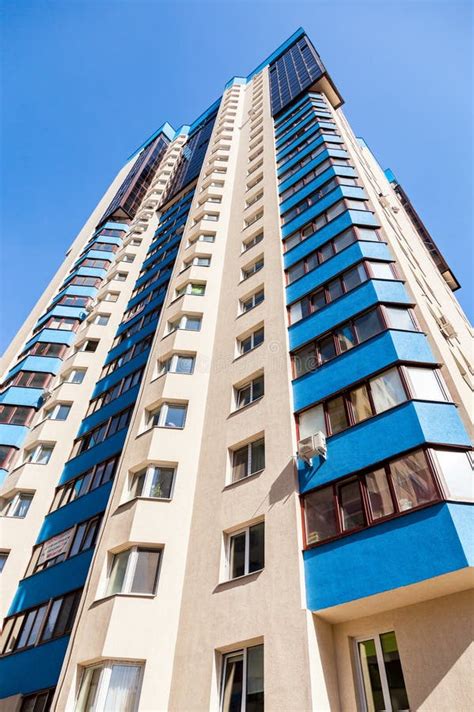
pixel 311 446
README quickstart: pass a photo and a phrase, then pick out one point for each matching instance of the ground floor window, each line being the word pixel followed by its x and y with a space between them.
pixel 110 687
pixel 38 701
pixel 381 675
pixel 242 680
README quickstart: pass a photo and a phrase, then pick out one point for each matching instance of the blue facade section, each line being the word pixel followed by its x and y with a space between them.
pixel 12 434
pixel 383 437
pixel 62 578
pixel 91 457
pixel 401 552
pixel 347 171
pixel 44 364
pixel 343 191
pixel 108 410
pixel 15 395
pixel 34 669
pixel 381 351
pixel 52 336
pixel 366 295
pixel 77 511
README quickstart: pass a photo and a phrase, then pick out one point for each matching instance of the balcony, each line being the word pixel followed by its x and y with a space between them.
pixel 416 557
pixel 43 664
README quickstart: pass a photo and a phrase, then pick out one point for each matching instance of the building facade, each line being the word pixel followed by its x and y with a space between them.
pixel 234 432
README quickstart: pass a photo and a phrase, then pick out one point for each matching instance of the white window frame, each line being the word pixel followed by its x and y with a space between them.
pixel 98 317
pixel 225 657
pixel 248 384
pixel 173 360
pixel 251 297
pixel 150 471
pixel 130 569
pixel 383 675
pixel 104 682
pixel 228 563
pixel 31 456
pixel 249 459
pixel 69 376
pixel 11 504
pixel 249 270
pixel 252 241
pixel 163 414
pixel 55 409
pixel 181 323
pixel 240 341
pixel 187 289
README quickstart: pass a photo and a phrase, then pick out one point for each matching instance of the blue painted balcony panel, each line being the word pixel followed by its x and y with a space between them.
pixel 44 364
pixel 107 239
pixel 288 134
pixel 108 410
pixel 115 226
pixel 81 463
pixel 362 297
pixel 160 264
pixel 77 290
pixel 313 126
pixel 127 343
pixel 401 552
pixel 43 665
pixel 343 260
pixel 381 351
pixel 79 510
pixel 322 205
pixel 16 395
pixel 54 336
pixel 92 254
pixel 304 152
pixel 314 185
pixel 304 100
pixel 399 429
pixel 58 579
pixel 162 279
pixel 90 272
pixel 306 106
pixel 329 152
pixel 12 435
pixel 60 310
pixel 105 383
pixel 362 218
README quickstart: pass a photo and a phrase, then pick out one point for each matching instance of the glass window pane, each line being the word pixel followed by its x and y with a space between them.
pixel 381 270
pixel 337 415
pixel 239 463
pixel 334 289
pixel 175 416
pixel 184 364
pixel 318 300
pixel 51 620
pixel 352 511
pixel 311 421
pixel 237 555
pixel 244 396
pixel 35 628
pixel 117 575
pixel 361 407
pixel 380 498
pixel 123 688
pixel 326 252
pixel 366 233
pixel 387 390
pixel 257 388
pixel 296 272
pixel 320 514
pixel 371 676
pixel 255 688
pixel 457 471
pixel 327 349
pixel 305 360
pixel 66 614
pixel 412 481
pixel 394 672
pixel 161 482
pixel 88 691
pixel 346 338
pixel 354 277
pixel 343 240
pixel 146 572
pixel 257 456
pixel 257 547
pixel 233 683
pixel 400 318
pixel 368 325
pixel 424 383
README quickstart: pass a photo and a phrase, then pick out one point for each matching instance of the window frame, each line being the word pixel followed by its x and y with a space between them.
pixel 361 690
pixel 248 466
pixel 149 473
pixel 230 536
pixel 162 412
pixel 225 657
pixel 130 570
pixel 103 684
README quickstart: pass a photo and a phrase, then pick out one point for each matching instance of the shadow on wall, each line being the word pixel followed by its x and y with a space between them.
pixel 326 651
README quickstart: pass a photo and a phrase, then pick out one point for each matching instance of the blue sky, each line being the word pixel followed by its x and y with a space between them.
pixel 84 83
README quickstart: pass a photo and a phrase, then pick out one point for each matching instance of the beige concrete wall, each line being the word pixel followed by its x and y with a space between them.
pixel 436 652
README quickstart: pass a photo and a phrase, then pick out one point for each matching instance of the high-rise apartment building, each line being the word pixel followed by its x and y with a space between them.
pixel 234 432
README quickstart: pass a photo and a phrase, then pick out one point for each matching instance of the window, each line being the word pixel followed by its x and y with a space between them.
pixel 95 477
pixel 29 379
pixel 456 468
pixel 196 290
pixel 251 342
pixel 253 301
pixel 101 319
pixel 186 322
pixel 252 269
pixel 407 483
pixel 154 481
pixel 168 415
pixel 426 384
pixel 110 297
pixel 75 376
pixel 400 318
pixel 248 460
pixel 178 363
pixel 89 345
pixel 17 506
pixel 6 455
pixel 247 551
pixel 37 702
pixel 311 421
pixel 62 546
pixel 387 390
pixel 40 454
pixel 63 323
pixel 59 412
pixel 43 348
pixel 242 687
pixel 380 673
pixel 16 414
pixel 102 431
pixel 120 276
pixel 134 570
pixel 251 242
pixel 110 686
pixel 197 261
pixel 50 620
pixel 250 392
pixel 3 559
